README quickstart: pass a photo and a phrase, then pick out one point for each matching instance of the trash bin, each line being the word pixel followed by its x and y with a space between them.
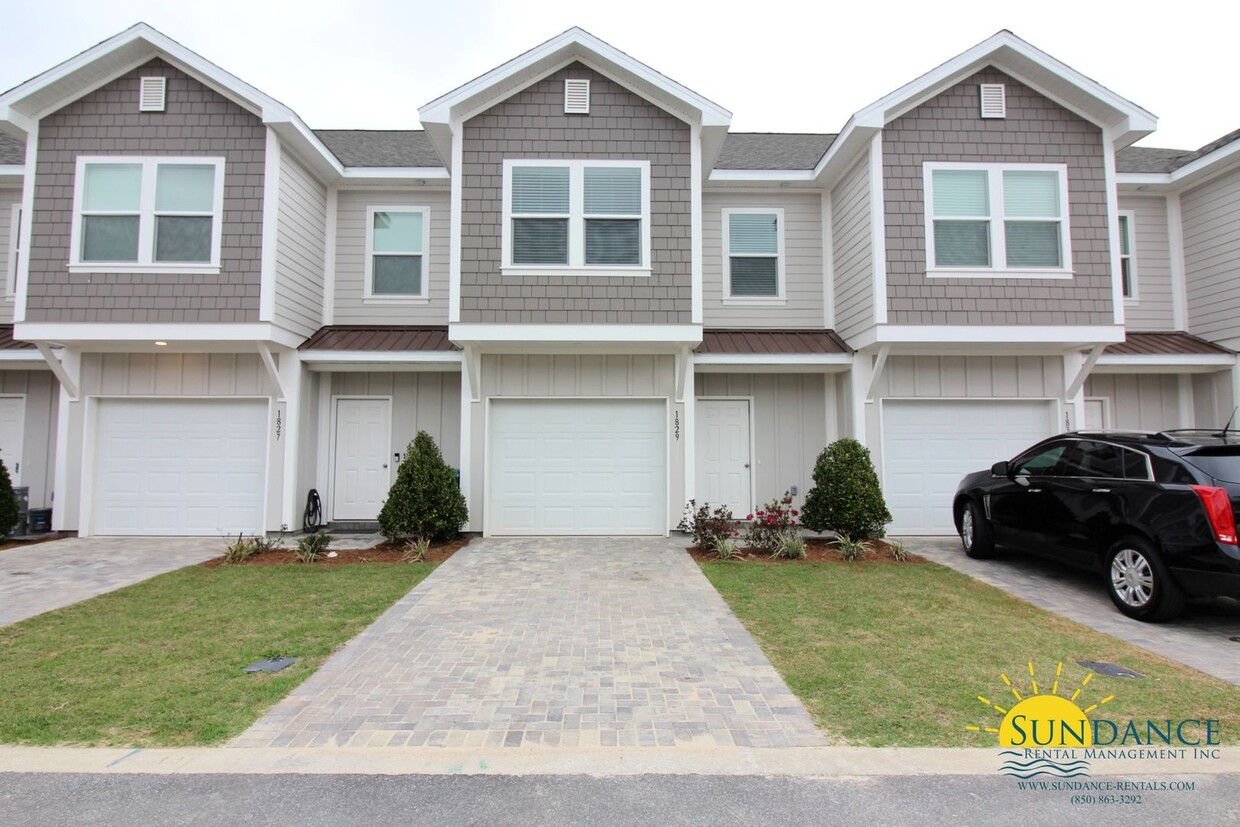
pixel 40 520
pixel 21 493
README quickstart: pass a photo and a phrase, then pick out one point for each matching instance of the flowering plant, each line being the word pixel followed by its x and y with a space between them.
pixel 769 522
pixel 706 525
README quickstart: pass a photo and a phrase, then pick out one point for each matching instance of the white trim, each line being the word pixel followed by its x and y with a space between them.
pixel 1112 196
pixel 448 359
pixel 469 392
pixel 368 294
pixel 273 373
pixel 726 256
pixel 944 334
pixel 23 359
pixel 773 176
pixel 576 217
pixel 576 333
pixel 291 388
pixel 395 173
pixel 1175 244
pixel 329 255
pixel 147 214
pixel 69 381
pixel 878 229
pixel 1130 216
pixel 754 360
pixel 828 261
pixel 72 361
pixel 271 228
pixel 23 269
pixel 335 400
pixel 322 473
pixel 454 226
pixel 996 220
pixel 12 171
pixel 1214 361
pixel 15 250
pixel 1187 406
pixel 243 334
pixel 695 223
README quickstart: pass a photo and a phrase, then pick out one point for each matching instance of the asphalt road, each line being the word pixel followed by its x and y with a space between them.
pixel 59 799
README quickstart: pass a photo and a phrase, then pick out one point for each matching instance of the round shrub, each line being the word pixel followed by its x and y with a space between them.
pixel 9 514
pixel 846 497
pixel 426 500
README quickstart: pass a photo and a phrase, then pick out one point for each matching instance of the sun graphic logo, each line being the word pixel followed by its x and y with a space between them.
pixel 1042 728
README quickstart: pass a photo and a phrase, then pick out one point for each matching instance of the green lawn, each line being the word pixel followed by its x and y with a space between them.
pixel 159 663
pixel 896 655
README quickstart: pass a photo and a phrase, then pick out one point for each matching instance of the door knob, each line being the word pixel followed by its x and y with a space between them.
pixel 385 465
pixel 747 465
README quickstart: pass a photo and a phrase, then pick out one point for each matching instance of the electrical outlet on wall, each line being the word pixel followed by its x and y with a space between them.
pixel 792 490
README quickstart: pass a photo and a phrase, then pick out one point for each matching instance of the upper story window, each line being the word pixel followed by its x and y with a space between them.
pixel 1127 263
pixel 576 218
pixel 991 220
pixel 397 239
pixel 147 214
pixel 753 253
pixel 15 249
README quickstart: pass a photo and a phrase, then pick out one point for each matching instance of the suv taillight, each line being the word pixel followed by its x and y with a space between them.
pixel 1218 509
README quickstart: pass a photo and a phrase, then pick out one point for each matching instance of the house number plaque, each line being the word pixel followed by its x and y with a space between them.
pixel 279 424
pixel 676 430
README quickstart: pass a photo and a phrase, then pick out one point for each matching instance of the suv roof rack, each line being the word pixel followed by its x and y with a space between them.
pixel 1200 433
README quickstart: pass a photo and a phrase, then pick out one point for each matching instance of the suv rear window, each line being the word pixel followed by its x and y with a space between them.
pixel 1221 461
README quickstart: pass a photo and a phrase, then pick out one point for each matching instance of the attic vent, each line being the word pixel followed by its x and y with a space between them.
pixel 576 97
pixel 994 100
pixel 151 96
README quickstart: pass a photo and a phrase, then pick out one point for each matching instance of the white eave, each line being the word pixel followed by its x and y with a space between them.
pixel 24 105
pixel 1224 159
pixel 12 173
pixel 574 45
pixel 1164 363
pixel 1124 121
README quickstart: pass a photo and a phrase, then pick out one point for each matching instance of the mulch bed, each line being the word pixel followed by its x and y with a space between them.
pixel 387 552
pixel 817 550
pixel 10 544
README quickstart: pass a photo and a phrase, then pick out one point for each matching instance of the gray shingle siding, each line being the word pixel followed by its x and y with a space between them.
pixel 1036 130
pixel 199 122
pixel 12 151
pixel 620 126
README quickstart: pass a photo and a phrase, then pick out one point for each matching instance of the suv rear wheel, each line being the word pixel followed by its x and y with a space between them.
pixel 975 532
pixel 1139 583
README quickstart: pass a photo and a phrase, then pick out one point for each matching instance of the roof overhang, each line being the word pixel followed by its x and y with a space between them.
pixel 1222 160
pixel 576 338
pixel 772 362
pixel 24 105
pixel 1165 363
pixel 1121 119
pixel 973 340
pixel 142 337
pixel 338 361
pixel 575 45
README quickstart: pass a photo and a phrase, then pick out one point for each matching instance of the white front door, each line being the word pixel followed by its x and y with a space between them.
pixel 12 432
pixel 363 474
pixel 723 455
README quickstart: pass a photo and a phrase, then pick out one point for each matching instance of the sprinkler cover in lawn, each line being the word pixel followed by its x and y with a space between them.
pixel 1111 670
pixel 270 665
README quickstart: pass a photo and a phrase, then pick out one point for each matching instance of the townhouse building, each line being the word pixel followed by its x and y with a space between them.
pixel 598 299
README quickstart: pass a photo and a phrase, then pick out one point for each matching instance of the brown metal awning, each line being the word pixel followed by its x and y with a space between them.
pixel 376 339
pixel 7 342
pixel 766 342
pixel 1164 344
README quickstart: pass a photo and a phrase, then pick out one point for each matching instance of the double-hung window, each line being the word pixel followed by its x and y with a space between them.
pixel 15 249
pixel 753 254
pixel 997 220
pixel 1127 264
pixel 147 214
pixel 396 253
pixel 576 217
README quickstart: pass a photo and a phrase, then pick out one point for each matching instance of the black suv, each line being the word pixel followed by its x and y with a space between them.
pixel 1154 511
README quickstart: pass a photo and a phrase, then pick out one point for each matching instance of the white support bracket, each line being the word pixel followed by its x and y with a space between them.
pixel 1082 374
pixel 684 364
pixel 880 362
pixel 471 361
pixel 265 352
pixel 69 383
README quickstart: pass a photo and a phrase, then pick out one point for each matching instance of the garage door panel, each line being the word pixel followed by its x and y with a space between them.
pixel 179 466
pixel 929 445
pixel 577 466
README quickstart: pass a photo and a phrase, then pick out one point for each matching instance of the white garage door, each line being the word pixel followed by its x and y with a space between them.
pixel 929 445
pixel 576 466
pixel 179 466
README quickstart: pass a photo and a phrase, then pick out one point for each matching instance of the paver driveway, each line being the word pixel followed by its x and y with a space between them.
pixel 553 642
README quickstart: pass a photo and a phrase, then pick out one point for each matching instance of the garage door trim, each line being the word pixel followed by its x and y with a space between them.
pixel 488 455
pixel 90 447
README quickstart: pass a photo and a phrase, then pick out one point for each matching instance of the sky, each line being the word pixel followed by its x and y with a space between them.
pixel 778 66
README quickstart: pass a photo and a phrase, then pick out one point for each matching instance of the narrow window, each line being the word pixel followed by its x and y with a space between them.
pixel 397 252
pixel 1127 273
pixel 753 260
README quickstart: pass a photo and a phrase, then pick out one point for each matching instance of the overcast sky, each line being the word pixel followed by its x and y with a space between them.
pixel 779 66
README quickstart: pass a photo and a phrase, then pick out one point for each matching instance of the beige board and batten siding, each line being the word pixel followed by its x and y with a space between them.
pixel 169 376
pixel 516 376
pixel 1211 215
pixel 852 250
pixel 1213 400
pixel 789 421
pixel 301 233
pixel 621 126
pixel 421 401
pixel 42 396
pixel 351 216
pixel 10 197
pixel 802 263
pixel 1151 262
pixel 1141 402
pixel 948 127
pixel 198 122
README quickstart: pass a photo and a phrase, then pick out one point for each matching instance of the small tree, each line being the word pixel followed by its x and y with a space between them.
pixel 9 513
pixel 846 497
pixel 425 500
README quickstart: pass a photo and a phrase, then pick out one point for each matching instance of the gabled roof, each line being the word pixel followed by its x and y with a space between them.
pixel 22 106
pixel 574 45
pixel 772 150
pixel 380 148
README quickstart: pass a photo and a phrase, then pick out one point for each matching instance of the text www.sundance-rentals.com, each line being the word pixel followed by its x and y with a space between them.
pixel 1108 786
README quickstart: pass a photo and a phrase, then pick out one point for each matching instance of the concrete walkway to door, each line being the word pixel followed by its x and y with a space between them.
pixel 592 642
pixel 44 576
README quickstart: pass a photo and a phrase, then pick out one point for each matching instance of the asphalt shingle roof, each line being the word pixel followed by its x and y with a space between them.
pixel 1152 159
pixel 772 150
pixel 12 151
pixel 380 148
